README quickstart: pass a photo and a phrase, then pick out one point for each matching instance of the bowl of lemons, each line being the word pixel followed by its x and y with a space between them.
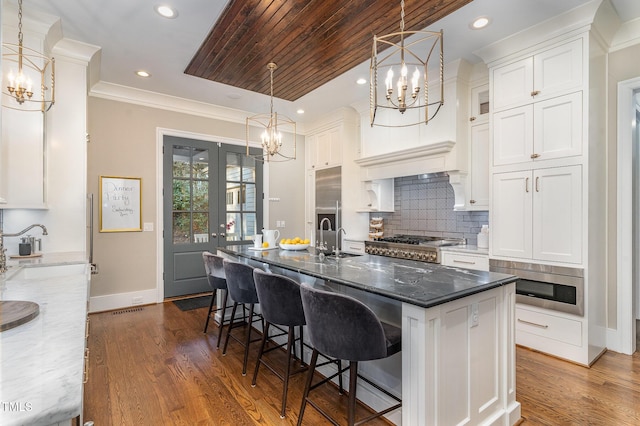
pixel 296 243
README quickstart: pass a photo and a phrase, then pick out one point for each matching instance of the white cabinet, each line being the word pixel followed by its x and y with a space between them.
pixel 550 73
pixel 540 131
pixel 479 104
pixel 479 262
pixel 479 167
pixel 538 214
pixel 325 149
pixel 353 246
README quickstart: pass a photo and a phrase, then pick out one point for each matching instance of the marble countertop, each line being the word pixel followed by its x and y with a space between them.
pixel 418 283
pixel 42 361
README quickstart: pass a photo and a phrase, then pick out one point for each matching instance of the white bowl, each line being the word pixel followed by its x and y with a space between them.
pixel 293 246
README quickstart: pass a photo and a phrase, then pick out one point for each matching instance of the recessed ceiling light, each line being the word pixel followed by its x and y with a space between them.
pixel 142 73
pixel 166 11
pixel 300 111
pixel 480 22
pixel 361 80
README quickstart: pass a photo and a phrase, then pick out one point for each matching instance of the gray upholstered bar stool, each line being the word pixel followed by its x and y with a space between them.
pixel 281 305
pixel 242 290
pixel 214 267
pixel 342 327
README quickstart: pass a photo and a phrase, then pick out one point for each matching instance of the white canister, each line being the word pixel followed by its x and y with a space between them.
pixel 483 237
pixel 257 241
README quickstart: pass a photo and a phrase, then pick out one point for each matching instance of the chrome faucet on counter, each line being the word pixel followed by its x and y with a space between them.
pixel 3 256
pixel 322 245
pixel 339 231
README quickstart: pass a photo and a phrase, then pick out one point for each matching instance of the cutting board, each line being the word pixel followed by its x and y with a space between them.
pixel 16 312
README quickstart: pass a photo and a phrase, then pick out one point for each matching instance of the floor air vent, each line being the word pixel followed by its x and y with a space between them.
pixel 126 311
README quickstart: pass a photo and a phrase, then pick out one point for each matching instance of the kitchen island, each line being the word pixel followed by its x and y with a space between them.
pixel 42 361
pixel 458 345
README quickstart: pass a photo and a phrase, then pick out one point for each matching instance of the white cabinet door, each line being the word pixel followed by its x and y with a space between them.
pixel 557 214
pixel 311 141
pixel 550 73
pixel 327 149
pixel 513 136
pixel 558 70
pixel 538 214
pixel 557 127
pixel 540 131
pixel 511 219
pixel 479 167
pixel 512 84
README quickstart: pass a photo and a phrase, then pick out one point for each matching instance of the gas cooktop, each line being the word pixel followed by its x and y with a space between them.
pixel 415 247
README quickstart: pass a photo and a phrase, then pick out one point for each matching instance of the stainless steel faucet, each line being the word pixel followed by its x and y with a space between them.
pixel 322 245
pixel 3 256
pixel 339 244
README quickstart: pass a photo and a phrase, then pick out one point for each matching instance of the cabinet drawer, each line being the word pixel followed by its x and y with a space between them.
pixel 463 260
pixel 354 247
pixel 555 327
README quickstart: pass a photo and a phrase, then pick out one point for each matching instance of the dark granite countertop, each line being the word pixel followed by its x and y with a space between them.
pixel 418 283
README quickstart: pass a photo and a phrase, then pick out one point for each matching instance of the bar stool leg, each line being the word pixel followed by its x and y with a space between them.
pixel 353 380
pixel 307 387
pixel 226 341
pixel 247 342
pixel 290 348
pixel 206 324
pixel 224 309
pixel 260 352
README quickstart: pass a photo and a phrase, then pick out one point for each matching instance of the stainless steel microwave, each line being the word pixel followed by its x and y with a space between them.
pixel 551 287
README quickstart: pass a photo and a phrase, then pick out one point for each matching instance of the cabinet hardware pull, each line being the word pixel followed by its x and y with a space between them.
pixel 466 262
pixel 534 156
pixel 537 185
pixel 526 185
pixel 472 201
pixel 472 119
pixel 535 93
pixel 533 323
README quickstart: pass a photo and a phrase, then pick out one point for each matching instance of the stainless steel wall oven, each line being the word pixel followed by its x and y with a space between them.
pixel 552 287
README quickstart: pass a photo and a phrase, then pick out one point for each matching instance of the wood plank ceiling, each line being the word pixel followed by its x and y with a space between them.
pixel 311 41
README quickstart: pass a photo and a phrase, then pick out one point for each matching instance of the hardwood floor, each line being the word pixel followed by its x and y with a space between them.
pixel 153 366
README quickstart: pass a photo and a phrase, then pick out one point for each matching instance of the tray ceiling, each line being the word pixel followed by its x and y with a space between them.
pixel 311 41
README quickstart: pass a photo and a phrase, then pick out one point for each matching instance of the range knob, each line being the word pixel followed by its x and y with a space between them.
pixel 432 257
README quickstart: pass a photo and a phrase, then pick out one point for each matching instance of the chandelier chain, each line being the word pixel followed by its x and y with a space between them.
pixel 401 15
pixel 20 22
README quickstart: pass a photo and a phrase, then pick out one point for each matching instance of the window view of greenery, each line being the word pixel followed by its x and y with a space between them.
pixel 190 195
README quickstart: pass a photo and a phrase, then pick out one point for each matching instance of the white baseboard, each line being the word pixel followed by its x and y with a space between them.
pixel 122 300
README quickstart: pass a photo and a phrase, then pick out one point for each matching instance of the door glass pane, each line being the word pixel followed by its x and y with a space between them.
pixel 201 195
pixel 249 198
pixel 234 225
pixel 249 169
pixel 200 163
pixel 241 197
pixel 190 195
pixel 181 228
pixel 200 227
pixel 234 196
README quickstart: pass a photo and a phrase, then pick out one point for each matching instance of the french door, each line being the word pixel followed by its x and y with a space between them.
pixel 212 197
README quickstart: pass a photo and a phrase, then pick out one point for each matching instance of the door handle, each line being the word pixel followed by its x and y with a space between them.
pixel 535 93
pixel 526 185
pixel 537 185
pixel 534 156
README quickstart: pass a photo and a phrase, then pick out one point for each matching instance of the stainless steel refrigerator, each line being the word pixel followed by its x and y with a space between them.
pixel 328 204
